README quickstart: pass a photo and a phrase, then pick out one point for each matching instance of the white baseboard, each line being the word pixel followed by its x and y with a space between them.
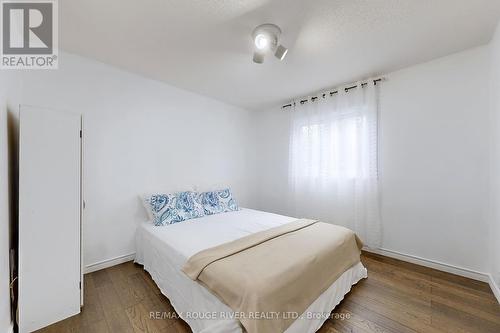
pixel 465 272
pixel 108 263
pixel 494 287
pixel 11 328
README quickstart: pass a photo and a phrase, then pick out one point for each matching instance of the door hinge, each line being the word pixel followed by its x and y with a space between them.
pixel 80 285
pixel 80 133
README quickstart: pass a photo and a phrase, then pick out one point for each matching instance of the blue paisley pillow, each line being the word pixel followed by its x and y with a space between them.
pixel 174 207
pixel 220 201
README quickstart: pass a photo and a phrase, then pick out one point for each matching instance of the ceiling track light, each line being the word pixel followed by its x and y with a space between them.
pixel 258 57
pixel 266 40
pixel 281 52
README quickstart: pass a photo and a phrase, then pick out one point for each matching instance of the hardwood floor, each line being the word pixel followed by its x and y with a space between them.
pixel 396 297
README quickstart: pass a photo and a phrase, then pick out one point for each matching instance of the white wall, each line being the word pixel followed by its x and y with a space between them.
pixel 141 136
pixel 433 160
pixel 495 167
pixel 273 129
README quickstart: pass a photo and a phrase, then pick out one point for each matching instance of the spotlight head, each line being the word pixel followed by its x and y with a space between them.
pixel 261 41
pixel 258 57
pixel 281 52
pixel 266 40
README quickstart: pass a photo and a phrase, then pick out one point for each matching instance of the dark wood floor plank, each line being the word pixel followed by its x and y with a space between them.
pixel 408 278
pixel 434 273
pixel 405 305
pixel 416 288
pixel 97 327
pixel 458 292
pixel 328 328
pixel 139 285
pixel 109 299
pixel 463 290
pixel 162 306
pixel 118 321
pixel 141 321
pixel 180 326
pixel 478 310
pixel 91 312
pixel 101 278
pixel 452 320
pixel 404 315
pixel 397 297
pixel 405 296
pixel 348 327
pixel 113 309
pixel 362 322
pixel 127 293
pixel 88 282
pixel 375 317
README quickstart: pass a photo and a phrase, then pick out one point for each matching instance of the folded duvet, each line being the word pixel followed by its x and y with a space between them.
pixel 271 277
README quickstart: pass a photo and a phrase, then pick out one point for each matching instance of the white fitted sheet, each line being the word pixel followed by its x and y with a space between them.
pixel 164 250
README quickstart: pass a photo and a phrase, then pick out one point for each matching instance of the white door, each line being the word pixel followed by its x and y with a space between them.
pixel 49 216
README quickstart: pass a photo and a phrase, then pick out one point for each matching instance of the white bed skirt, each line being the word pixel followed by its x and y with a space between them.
pixel 205 313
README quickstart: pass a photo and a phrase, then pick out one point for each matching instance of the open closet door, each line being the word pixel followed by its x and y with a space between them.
pixel 49 216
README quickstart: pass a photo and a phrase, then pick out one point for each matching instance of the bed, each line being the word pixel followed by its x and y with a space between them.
pixel 163 251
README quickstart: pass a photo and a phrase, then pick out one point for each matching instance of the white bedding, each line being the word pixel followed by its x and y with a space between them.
pixel 164 250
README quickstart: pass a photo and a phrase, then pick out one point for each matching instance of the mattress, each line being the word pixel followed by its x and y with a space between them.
pixel 164 250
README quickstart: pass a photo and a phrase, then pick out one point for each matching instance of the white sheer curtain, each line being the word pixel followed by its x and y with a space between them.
pixel 333 161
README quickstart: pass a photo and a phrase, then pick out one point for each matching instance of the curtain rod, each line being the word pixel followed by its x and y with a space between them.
pixel 332 93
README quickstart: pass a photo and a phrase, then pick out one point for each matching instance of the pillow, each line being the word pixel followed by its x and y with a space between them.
pixel 174 207
pixel 172 189
pixel 219 201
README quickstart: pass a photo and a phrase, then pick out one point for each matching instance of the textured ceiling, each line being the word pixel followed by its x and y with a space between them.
pixel 204 45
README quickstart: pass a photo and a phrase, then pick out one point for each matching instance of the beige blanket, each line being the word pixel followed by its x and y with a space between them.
pixel 271 277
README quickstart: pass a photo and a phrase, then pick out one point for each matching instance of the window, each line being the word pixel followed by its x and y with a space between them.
pixel 330 150
pixel 333 161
